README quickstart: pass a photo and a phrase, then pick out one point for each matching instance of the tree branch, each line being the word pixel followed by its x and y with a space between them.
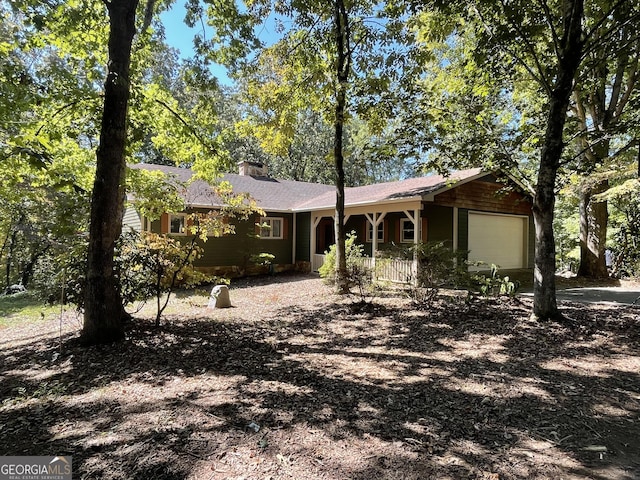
pixel 304 38
pixel 148 15
pixel 613 51
pixel 540 79
pixel 602 20
pixel 554 33
pixel 632 79
pixel 190 127
pixel 60 110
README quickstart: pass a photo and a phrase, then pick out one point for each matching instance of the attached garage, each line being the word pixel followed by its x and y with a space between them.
pixel 498 239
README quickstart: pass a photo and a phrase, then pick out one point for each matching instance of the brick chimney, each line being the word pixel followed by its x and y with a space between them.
pixel 253 169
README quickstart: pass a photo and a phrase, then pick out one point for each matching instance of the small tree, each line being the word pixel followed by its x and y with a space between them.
pixel 149 265
pixel 358 275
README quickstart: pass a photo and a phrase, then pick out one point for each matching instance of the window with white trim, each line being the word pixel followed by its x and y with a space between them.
pixel 177 224
pixel 380 232
pixel 407 229
pixel 271 227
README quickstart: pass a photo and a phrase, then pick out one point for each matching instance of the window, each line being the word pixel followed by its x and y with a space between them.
pixel 271 227
pixel 407 230
pixel 380 232
pixel 177 224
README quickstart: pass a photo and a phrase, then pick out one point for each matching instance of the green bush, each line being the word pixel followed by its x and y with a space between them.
pixel 359 277
pixel 354 253
pixel 150 265
pixel 438 267
pixel 146 265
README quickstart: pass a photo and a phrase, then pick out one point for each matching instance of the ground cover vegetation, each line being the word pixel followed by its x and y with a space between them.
pixel 297 382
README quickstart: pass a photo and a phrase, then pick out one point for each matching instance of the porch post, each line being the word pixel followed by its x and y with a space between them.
pixel 315 220
pixel 312 241
pixel 374 237
pixel 455 228
pixel 374 240
pixel 417 226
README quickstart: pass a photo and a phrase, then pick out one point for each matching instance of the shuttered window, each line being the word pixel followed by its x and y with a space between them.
pixel 271 227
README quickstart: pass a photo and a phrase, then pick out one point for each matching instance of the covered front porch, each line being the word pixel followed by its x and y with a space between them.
pixel 375 227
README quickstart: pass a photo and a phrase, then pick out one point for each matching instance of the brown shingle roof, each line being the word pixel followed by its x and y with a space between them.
pixel 389 191
pixel 286 195
pixel 270 193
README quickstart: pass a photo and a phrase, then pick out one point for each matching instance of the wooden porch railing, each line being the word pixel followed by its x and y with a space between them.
pixel 393 269
pixel 387 269
pixel 316 262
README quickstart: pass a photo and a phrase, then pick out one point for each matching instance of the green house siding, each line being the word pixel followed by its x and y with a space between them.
pixel 281 248
pixel 230 249
pixel 303 237
pixel 155 227
pixel 439 224
pixel 359 224
pixel 393 227
pixel 237 249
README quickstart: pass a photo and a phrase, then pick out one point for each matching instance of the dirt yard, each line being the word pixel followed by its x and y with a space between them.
pixel 296 383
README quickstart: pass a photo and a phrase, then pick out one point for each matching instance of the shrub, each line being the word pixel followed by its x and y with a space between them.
pixel 146 265
pixel 61 274
pixel 438 266
pixel 359 276
pixel 354 253
pixel 494 284
pixel 150 265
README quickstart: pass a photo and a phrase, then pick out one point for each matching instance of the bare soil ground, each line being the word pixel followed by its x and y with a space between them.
pixel 296 383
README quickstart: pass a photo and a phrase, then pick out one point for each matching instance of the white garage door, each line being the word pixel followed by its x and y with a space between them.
pixel 498 239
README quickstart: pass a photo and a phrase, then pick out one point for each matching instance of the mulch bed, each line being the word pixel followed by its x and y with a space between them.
pixel 294 382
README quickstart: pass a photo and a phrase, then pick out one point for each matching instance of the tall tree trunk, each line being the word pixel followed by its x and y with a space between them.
pixel 103 305
pixel 343 65
pixel 600 105
pixel 27 271
pixel 593 231
pixel 570 51
pixel 12 247
pixel 5 244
